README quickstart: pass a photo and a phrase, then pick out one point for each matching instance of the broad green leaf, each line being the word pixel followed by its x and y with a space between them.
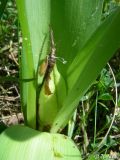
pixel 88 64
pixel 73 23
pixel 37 16
pixel 23 143
pixel 34 19
pixel 27 69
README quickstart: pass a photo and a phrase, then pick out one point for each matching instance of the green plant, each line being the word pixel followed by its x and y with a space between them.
pixel 97 106
pixel 50 98
pixel 102 157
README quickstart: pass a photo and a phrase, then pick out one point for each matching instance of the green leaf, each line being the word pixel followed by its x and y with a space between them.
pixel 37 16
pixel 73 23
pixel 105 96
pixel 27 70
pixel 20 142
pixel 34 19
pixel 87 65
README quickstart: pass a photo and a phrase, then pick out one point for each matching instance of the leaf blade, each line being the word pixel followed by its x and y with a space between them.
pixel 85 75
